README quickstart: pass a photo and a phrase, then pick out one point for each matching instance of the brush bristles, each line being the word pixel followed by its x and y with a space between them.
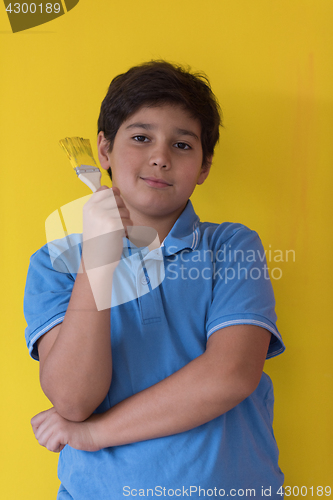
pixel 78 151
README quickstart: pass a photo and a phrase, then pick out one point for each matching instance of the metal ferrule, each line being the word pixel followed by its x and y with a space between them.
pixel 85 169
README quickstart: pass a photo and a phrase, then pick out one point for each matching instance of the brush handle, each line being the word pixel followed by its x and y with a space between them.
pixel 92 180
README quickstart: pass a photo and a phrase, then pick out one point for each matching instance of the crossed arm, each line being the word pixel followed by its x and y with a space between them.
pixel 210 385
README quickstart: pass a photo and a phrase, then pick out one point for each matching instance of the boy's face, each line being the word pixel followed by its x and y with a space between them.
pixel 156 161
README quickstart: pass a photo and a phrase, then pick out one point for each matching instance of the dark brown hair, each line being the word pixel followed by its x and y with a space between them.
pixel 156 83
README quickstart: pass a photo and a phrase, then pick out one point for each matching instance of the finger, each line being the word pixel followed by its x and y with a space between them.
pixel 50 435
pixel 47 423
pixel 102 188
pixel 102 194
pixel 43 434
pixel 124 213
pixel 121 204
pixel 42 429
pixel 56 441
pixel 51 441
pixel 106 194
pixel 38 419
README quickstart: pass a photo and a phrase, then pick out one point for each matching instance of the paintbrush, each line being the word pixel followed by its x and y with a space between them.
pixel 80 155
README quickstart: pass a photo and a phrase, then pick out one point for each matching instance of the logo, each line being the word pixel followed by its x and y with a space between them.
pixel 139 270
pixel 26 15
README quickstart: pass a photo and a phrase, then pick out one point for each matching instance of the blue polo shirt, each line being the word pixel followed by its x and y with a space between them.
pixel 166 303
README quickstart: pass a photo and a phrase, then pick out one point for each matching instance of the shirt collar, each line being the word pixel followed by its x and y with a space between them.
pixel 184 233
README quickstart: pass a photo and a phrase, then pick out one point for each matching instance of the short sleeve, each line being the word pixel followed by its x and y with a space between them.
pixel 48 289
pixel 242 290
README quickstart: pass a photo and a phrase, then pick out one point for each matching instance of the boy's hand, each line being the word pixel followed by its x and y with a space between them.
pixel 54 432
pixel 105 221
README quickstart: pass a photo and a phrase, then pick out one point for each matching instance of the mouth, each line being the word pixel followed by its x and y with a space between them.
pixel 157 183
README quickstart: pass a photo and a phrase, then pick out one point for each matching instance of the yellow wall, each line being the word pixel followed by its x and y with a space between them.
pixel 270 64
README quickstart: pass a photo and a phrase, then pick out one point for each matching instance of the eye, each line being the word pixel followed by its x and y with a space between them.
pixel 182 145
pixel 140 138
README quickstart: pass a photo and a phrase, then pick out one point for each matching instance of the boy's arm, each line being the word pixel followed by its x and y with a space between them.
pixel 75 356
pixel 210 385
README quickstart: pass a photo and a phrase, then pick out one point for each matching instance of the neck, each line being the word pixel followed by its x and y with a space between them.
pixel 161 225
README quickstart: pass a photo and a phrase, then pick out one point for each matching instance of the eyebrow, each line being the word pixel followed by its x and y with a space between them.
pixel 148 126
pixel 182 131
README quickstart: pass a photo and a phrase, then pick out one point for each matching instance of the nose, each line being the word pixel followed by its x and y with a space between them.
pixel 160 157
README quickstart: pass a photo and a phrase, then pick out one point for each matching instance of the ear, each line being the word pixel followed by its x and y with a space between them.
pixel 205 169
pixel 103 146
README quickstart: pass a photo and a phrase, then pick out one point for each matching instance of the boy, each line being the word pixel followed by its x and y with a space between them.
pixel 182 407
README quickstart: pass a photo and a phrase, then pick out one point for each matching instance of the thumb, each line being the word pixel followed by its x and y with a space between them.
pixel 102 188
